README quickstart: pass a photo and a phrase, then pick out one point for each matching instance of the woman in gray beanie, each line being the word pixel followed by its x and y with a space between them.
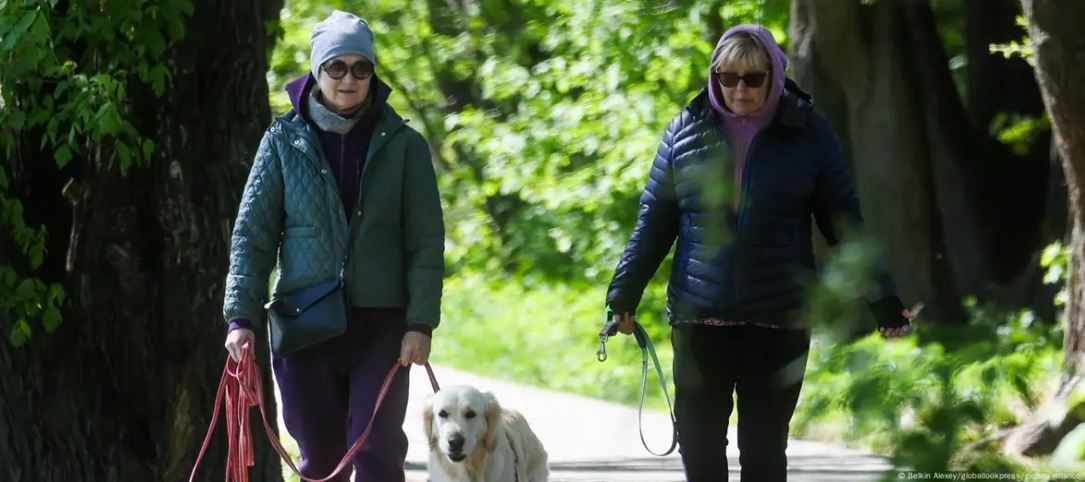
pixel 341 177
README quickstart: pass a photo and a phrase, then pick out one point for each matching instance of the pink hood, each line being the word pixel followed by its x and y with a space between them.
pixel 742 129
pixel 779 65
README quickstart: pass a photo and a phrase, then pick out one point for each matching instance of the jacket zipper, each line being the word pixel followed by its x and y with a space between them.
pixel 343 168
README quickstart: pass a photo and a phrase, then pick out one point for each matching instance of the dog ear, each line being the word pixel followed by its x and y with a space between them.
pixel 427 422
pixel 493 421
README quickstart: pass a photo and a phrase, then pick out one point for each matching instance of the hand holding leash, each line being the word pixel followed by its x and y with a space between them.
pixel 241 388
pixel 909 316
pixel 626 324
pixel 239 340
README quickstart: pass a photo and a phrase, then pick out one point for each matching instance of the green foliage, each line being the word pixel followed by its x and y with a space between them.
pixel 24 298
pixel 836 300
pixel 1019 131
pixel 1014 130
pixel 1071 451
pixel 64 72
pixel 29 299
pixel 1017 48
pixel 931 398
pixel 1056 260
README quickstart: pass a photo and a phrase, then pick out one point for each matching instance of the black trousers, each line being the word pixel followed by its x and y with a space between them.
pixel 765 367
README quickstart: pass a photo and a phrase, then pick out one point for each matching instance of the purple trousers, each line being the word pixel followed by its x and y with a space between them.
pixel 328 393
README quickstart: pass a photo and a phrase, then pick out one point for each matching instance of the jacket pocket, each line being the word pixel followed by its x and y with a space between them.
pixel 301 232
pixel 379 264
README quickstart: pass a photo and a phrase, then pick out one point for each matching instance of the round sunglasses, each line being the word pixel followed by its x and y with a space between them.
pixel 753 81
pixel 337 69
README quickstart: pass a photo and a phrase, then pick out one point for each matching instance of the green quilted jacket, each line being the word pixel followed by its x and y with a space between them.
pixel 291 216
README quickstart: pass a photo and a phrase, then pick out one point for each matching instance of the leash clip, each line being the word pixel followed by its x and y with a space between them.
pixel 610 328
pixel 647 351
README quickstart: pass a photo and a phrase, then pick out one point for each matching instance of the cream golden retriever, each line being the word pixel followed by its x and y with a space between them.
pixel 473 439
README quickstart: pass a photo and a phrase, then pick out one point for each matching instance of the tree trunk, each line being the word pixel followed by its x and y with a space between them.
pixel 951 207
pixel 123 390
pixel 1058 43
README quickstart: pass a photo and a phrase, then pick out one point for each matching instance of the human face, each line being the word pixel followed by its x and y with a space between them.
pixel 348 91
pixel 741 97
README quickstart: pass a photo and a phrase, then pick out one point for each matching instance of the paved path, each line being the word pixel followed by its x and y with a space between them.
pixel 592 440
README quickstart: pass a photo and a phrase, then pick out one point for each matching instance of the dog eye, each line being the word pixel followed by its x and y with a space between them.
pixel 442 414
pixel 469 414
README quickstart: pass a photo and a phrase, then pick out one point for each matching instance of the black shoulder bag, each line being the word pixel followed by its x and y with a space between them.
pixel 308 316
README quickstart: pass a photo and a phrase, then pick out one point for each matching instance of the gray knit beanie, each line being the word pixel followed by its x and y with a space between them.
pixel 341 33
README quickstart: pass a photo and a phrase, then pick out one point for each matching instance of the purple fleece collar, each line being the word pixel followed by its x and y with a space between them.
pixel 296 90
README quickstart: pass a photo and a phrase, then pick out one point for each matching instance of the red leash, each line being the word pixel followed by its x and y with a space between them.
pixel 240 388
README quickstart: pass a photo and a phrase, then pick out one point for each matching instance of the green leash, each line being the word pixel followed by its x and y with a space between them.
pixel 610 328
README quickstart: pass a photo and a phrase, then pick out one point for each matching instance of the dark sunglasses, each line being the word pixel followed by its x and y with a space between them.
pixel 337 69
pixel 753 81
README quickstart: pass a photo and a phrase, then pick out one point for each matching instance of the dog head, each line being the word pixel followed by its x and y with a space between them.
pixel 460 419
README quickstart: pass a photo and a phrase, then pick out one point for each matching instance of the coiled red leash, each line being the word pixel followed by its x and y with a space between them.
pixel 241 388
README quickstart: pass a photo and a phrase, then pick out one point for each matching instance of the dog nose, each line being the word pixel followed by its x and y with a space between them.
pixel 455 442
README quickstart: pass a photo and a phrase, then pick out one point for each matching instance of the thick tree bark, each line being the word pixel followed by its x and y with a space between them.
pixel 952 209
pixel 123 390
pixel 1058 43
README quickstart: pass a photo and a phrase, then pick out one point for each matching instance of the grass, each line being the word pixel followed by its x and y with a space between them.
pixel 545 336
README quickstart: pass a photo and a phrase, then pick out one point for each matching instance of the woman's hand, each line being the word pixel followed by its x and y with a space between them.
pixel 414 349
pixel 237 339
pixel 625 322
pixel 910 315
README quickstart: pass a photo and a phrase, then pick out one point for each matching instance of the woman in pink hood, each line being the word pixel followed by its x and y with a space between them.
pixel 738 176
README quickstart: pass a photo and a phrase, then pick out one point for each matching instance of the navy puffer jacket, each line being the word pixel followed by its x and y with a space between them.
pixel 745 257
